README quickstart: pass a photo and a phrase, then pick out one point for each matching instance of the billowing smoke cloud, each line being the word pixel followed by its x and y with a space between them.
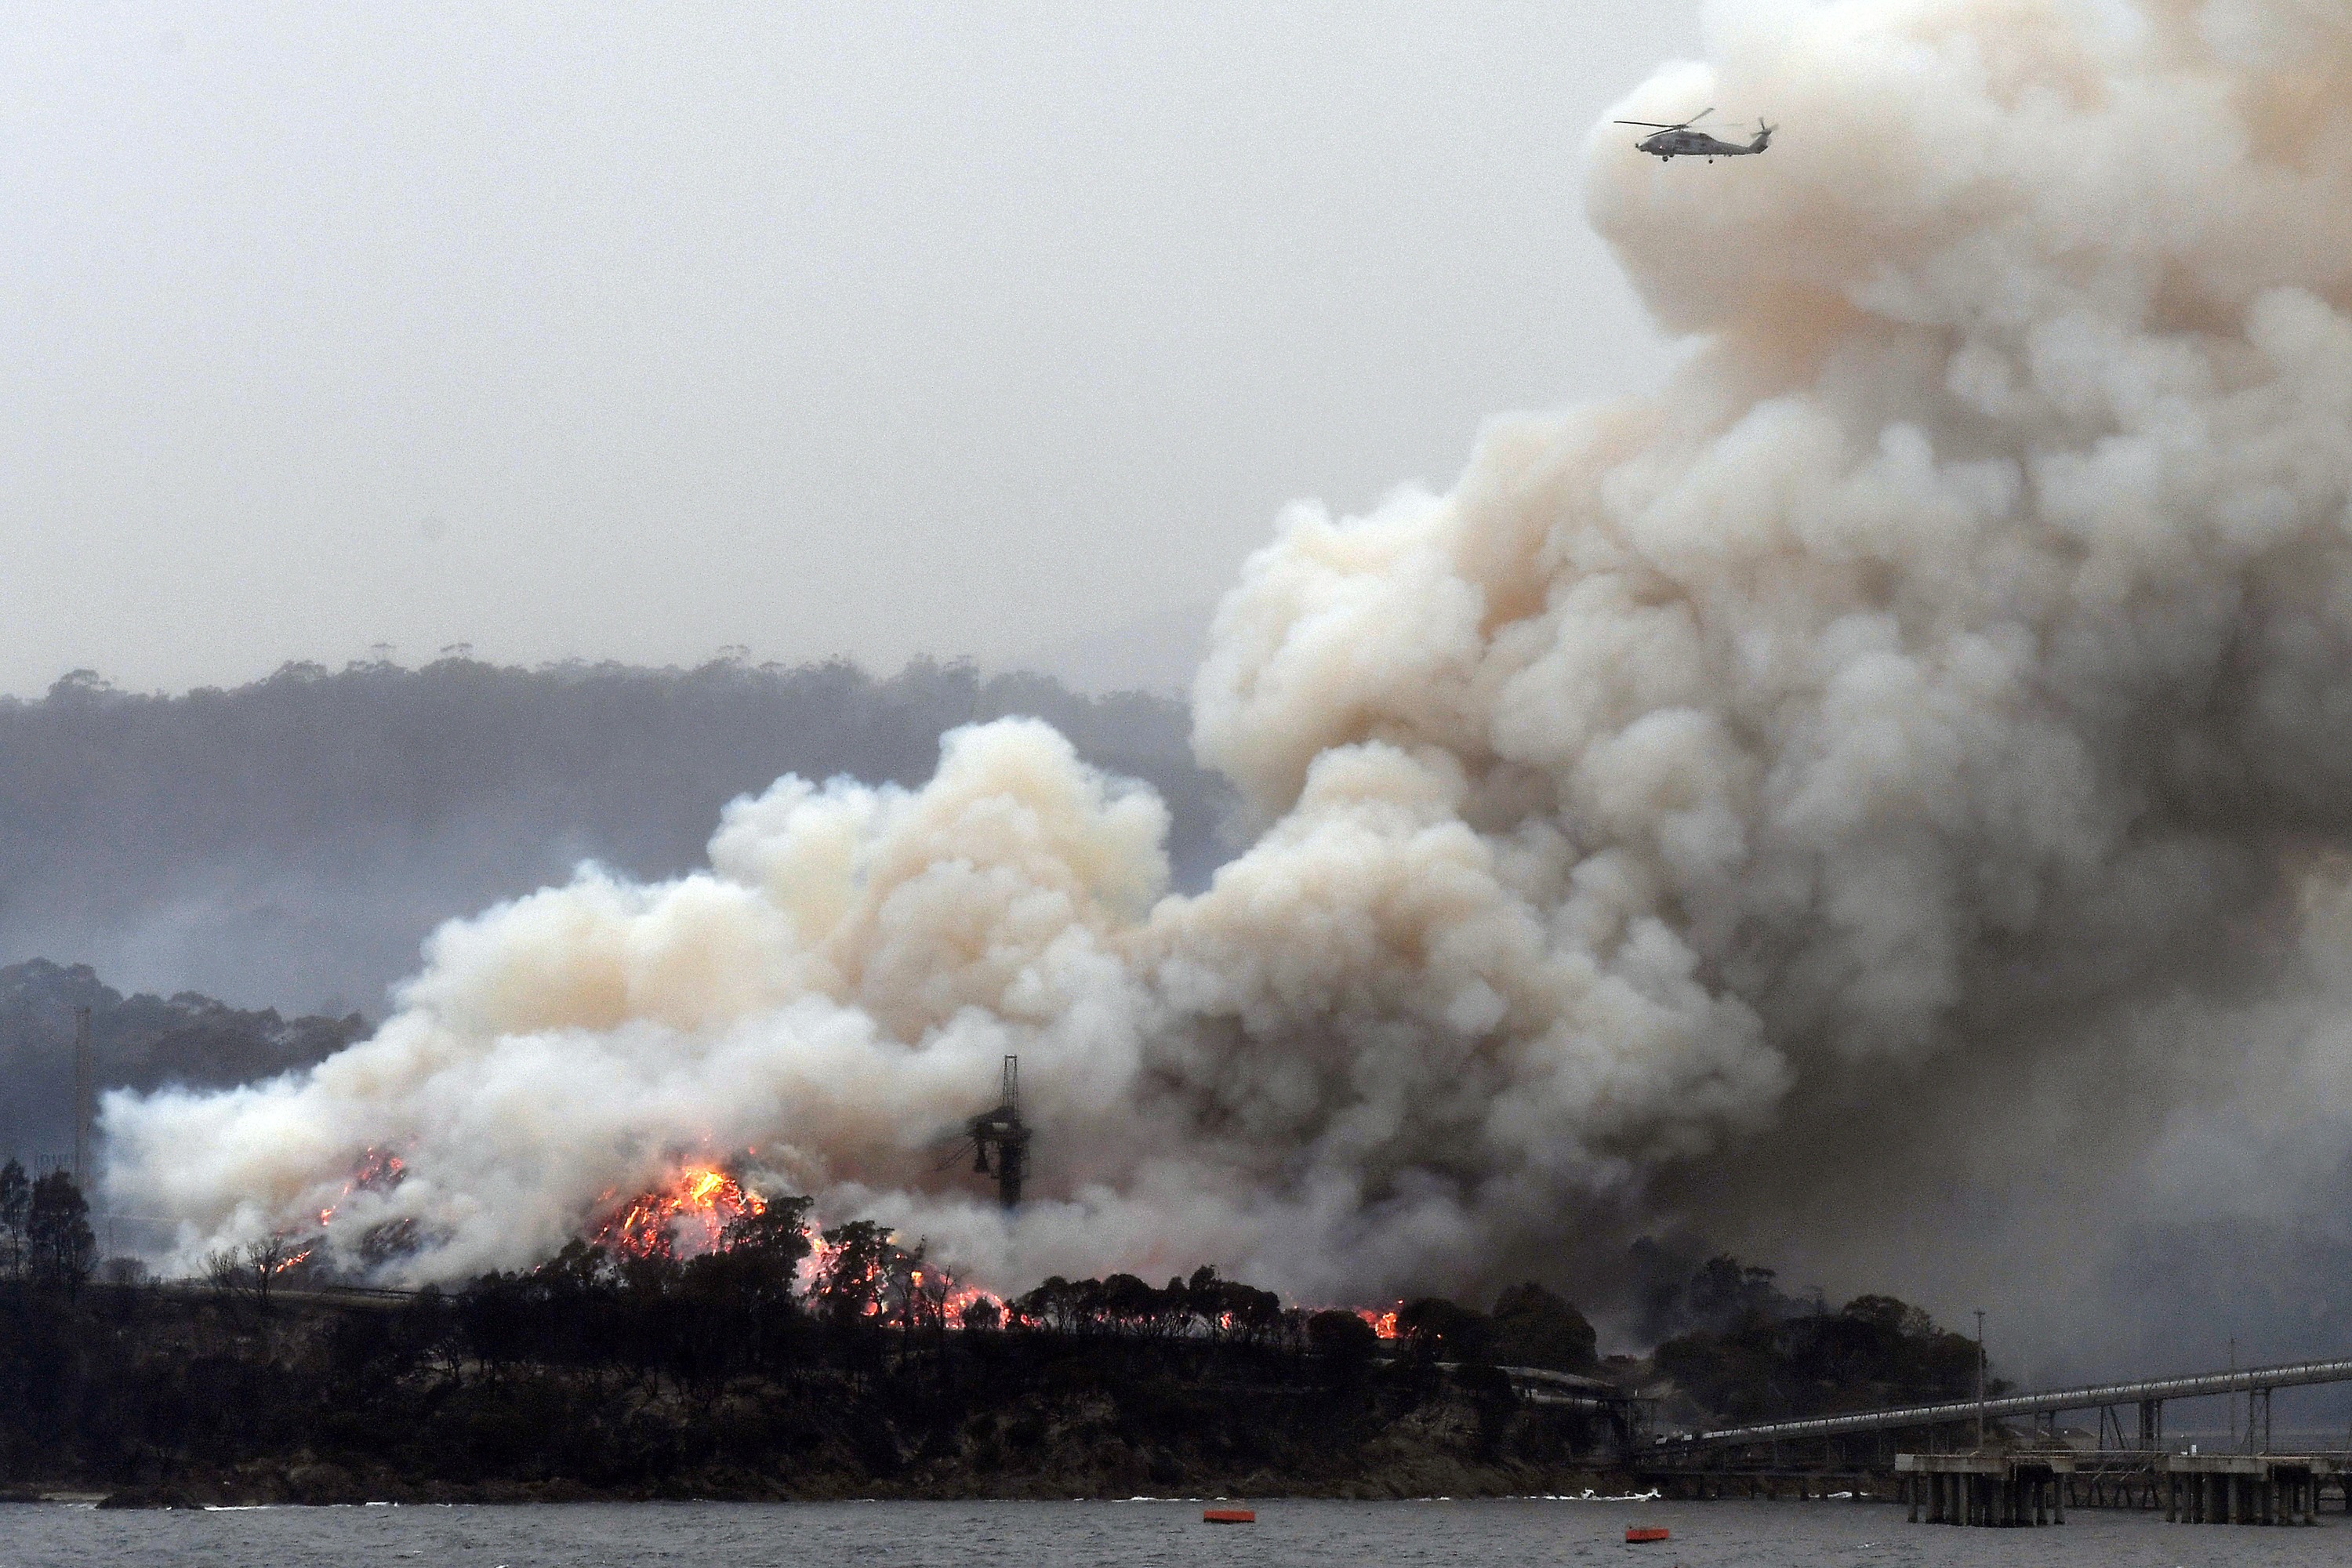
pixel 1948 675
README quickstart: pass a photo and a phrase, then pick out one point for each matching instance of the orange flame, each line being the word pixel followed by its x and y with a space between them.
pixel 819 1262
pixel 684 1219
pixel 947 1297
pixel 935 1284
pixel 375 1171
pixel 959 1297
pixel 1383 1323
pixel 819 1259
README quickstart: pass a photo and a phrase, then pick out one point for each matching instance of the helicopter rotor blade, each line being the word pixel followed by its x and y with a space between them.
pixel 1678 125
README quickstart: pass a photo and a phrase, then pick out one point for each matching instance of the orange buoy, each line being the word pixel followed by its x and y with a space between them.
pixel 1640 1532
pixel 1228 1516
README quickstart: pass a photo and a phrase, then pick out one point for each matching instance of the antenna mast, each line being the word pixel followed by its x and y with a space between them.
pixel 85 1099
pixel 1980 1382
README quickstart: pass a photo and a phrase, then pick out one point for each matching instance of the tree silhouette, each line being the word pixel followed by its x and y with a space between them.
pixel 58 1238
pixel 858 1271
pixel 16 1203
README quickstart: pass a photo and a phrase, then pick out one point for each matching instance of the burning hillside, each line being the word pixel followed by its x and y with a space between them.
pixel 686 1217
pixel 375 1171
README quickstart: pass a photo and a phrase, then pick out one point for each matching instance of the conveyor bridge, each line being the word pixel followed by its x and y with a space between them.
pixel 2045 1404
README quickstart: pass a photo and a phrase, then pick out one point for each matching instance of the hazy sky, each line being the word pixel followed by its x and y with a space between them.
pixel 873 329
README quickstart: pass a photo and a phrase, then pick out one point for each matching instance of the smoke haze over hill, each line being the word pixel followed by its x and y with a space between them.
pixel 291 843
pixel 142 1042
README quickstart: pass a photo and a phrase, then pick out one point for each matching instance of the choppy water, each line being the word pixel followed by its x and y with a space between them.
pixel 1103 1534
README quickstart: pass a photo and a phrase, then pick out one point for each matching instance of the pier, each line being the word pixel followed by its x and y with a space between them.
pixel 1996 1489
pixel 2246 1489
pixel 2005 1460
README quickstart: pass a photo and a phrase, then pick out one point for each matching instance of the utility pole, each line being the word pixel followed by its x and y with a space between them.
pixel 85 1099
pixel 1980 1380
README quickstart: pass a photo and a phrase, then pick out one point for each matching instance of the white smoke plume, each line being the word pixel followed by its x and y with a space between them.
pixel 1948 672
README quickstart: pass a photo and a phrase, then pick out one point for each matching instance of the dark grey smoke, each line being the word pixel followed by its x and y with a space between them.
pixel 290 843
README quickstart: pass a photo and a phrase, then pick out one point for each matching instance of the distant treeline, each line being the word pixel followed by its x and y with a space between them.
pixel 141 1042
pixel 743 1372
pixel 1760 1356
pixel 290 842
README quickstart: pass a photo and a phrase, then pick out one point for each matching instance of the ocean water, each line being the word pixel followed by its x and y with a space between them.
pixel 1507 1534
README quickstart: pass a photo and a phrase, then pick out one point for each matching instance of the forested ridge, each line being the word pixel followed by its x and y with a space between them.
pixel 141 1041
pixel 757 1369
pixel 288 843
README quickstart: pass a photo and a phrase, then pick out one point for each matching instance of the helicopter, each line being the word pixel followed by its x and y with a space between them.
pixel 1672 142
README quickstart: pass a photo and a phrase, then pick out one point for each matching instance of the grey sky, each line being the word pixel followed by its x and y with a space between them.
pixel 873 329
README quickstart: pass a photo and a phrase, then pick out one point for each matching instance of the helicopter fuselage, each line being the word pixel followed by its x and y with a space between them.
pixel 1673 144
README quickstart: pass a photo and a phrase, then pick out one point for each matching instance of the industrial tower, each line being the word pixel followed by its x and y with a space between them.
pixel 1000 1139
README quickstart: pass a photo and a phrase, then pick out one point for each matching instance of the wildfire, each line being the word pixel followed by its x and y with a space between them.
pixel 820 1259
pixel 684 1219
pixel 690 1217
pixel 962 1297
pixel 821 1263
pixel 930 1292
pixel 375 1171
pixel 1383 1323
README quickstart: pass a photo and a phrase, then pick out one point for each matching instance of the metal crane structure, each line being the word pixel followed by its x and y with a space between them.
pixel 999 1139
